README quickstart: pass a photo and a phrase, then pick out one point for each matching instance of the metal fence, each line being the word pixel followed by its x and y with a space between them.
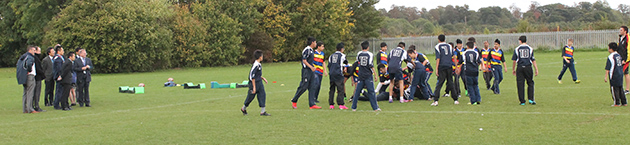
pixel 539 40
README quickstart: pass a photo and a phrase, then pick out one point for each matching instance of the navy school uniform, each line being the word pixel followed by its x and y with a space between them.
pixel 471 60
pixel 395 59
pixel 366 81
pixel 255 76
pixel 444 52
pixel 524 56
pixel 335 70
pixel 614 64
pixel 419 76
pixel 308 78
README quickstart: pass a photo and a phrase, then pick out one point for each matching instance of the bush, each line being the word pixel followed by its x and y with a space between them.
pixel 119 35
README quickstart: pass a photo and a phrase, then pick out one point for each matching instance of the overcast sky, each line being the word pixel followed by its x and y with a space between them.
pixel 476 4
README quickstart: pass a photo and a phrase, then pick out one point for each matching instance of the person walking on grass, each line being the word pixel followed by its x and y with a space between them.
pixel 568 62
pixel 614 73
pixel 497 62
pixel 335 70
pixel 366 74
pixel 523 59
pixel 485 57
pixel 320 68
pixel 256 87
pixel 308 81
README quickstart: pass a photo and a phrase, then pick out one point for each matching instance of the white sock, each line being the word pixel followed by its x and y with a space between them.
pixel 262 110
pixel 390 97
pixel 244 107
pixel 402 98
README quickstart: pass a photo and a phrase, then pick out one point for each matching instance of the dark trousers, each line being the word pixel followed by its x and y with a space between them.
pixel 318 86
pixel 83 89
pixel 419 76
pixel 571 68
pixel 307 83
pixel 384 96
pixel 456 88
pixel 365 84
pixel 525 73
pixel 37 94
pixel 487 77
pixel 49 94
pixel 497 72
pixel 336 84
pixel 472 82
pixel 59 89
pixel 445 74
pixel 618 95
pixel 428 89
pixel 64 95
pixel 260 92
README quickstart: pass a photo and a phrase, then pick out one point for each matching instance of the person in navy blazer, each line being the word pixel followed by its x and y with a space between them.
pixel 57 64
pixel 82 66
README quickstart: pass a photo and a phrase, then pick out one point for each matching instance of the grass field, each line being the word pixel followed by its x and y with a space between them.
pixel 566 113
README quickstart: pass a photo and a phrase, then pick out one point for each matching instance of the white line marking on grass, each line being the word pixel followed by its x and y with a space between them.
pixel 118 111
pixel 411 111
pixel 127 110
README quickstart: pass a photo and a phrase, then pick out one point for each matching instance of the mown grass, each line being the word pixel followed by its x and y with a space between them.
pixel 566 113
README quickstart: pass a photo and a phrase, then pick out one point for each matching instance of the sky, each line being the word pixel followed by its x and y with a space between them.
pixel 476 4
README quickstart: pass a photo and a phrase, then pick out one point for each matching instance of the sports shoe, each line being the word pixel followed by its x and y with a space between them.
pixel 343 107
pixel 615 105
pixel 532 102
pixel 354 110
pixel 294 105
pixel 403 100
pixel 332 107
pixel 446 95
pixel 265 114
pixel 315 107
pixel 626 92
pixel 244 111
pixel 35 112
pixel 377 110
pixel 621 105
pixel 577 81
pixel 430 99
pixel 469 103
pixel 435 103
pixel 391 100
pixel 522 104
pixel 456 102
pixel 459 96
pixel 559 81
pixel 475 103
pixel 466 92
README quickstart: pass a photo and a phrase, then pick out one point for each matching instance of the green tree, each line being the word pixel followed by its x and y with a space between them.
pixel 366 19
pixel 276 23
pixel 222 33
pixel 119 35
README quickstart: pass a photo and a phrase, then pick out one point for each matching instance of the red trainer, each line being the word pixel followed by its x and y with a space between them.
pixel 294 105
pixel 315 107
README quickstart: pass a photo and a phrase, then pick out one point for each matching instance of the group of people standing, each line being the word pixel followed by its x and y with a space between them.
pixel 454 61
pixel 66 77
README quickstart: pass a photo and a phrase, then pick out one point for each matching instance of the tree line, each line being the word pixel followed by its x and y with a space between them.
pixel 404 21
pixel 147 35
